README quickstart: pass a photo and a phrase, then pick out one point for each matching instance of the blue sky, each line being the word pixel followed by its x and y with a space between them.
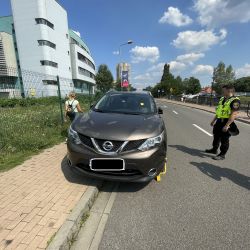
pixel 191 35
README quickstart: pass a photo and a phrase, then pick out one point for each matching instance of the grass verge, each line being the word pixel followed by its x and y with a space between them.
pixel 26 131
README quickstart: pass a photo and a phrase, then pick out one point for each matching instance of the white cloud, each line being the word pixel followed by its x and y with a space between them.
pixel 152 74
pixel 243 71
pixel 198 41
pixel 203 70
pixel 141 54
pixel 116 52
pixel 216 13
pixel 157 68
pixel 177 67
pixel 190 57
pixel 174 17
pixel 143 77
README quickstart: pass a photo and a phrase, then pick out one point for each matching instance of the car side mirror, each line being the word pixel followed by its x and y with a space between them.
pixel 160 111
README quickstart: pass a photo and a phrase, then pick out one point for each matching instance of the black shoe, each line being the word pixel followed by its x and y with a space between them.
pixel 219 157
pixel 211 151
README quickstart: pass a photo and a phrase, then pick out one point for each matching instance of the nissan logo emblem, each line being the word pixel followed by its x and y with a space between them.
pixel 107 145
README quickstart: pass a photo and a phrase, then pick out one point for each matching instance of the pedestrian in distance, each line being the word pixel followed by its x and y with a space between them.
pixel 223 122
pixel 72 107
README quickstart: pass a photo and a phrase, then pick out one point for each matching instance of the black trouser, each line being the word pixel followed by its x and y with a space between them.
pixel 221 138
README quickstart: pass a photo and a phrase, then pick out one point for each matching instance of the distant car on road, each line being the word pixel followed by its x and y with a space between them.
pixel 121 138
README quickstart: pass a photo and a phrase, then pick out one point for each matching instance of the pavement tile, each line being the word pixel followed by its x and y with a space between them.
pixel 32 224
pixel 35 199
pixel 35 243
pixel 21 247
pixel 16 241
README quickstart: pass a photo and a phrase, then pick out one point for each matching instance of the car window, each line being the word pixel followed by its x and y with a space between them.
pixel 126 103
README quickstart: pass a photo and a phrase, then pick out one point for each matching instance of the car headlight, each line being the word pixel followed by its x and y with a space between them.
pixel 152 142
pixel 73 135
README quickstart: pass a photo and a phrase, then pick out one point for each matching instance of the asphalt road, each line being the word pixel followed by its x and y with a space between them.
pixel 199 204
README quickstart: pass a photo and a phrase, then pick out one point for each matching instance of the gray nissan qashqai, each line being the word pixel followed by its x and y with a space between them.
pixel 121 138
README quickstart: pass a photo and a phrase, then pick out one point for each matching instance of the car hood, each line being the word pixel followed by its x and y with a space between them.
pixel 121 127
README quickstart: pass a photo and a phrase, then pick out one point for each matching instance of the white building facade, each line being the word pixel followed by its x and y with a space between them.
pixel 83 65
pixel 45 50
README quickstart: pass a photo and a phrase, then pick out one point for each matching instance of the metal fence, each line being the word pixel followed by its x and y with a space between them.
pixel 205 100
pixel 32 111
pixel 16 83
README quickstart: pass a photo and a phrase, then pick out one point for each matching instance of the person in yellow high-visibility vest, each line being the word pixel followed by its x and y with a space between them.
pixel 223 122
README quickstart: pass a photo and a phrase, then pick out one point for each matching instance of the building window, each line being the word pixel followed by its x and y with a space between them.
pixel 46 43
pixel 73 41
pixel 84 59
pixel 68 52
pixel 49 63
pixel 49 82
pixel 85 72
pixel 67 36
pixel 44 21
pixel 81 86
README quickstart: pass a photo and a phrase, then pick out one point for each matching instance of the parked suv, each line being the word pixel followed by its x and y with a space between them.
pixel 121 138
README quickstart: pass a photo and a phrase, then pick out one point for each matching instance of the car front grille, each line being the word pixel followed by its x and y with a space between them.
pixel 117 144
pixel 86 140
pixel 130 146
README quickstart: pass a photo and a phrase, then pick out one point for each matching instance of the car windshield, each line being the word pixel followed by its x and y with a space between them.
pixel 126 104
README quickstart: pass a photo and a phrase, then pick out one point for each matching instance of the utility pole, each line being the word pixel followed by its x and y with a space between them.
pixel 123 44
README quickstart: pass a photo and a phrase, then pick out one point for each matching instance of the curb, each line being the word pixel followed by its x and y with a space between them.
pixel 211 112
pixel 69 229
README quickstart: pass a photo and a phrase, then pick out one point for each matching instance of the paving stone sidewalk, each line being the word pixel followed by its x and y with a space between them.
pixel 35 199
pixel 242 115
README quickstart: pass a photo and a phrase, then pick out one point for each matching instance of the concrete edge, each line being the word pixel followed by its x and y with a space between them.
pixel 203 109
pixel 71 226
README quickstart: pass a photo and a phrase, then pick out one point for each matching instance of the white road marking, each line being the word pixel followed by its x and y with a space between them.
pixel 203 130
pixel 175 112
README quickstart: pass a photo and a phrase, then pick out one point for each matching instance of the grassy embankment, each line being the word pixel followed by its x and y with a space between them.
pixel 29 126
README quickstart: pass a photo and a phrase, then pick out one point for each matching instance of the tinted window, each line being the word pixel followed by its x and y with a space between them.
pixel 126 103
pixel 44 21
pixel 46 43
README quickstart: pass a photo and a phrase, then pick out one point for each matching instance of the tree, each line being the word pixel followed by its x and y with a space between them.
pixel 230 74
pixel 148 88
pixel 222 75
pixel 131 88
pixel 118 85
pixel 167 79
pixel 242 84
pixel 177 86
pixel 104 78
pixel 193 85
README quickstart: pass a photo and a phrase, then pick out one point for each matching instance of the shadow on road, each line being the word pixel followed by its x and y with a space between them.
pixel 217 173
pixel 74 176
pixel 190 151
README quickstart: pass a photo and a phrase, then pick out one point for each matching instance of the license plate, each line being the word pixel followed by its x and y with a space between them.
pixel 104 164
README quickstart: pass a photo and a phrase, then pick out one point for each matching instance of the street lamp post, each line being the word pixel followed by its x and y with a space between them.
pixel 123 44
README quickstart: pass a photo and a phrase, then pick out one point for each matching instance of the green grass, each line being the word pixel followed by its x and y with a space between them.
pixel 26 131
pixel 244 99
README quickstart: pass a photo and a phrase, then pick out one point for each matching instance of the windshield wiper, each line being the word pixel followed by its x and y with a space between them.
pixel 99 110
